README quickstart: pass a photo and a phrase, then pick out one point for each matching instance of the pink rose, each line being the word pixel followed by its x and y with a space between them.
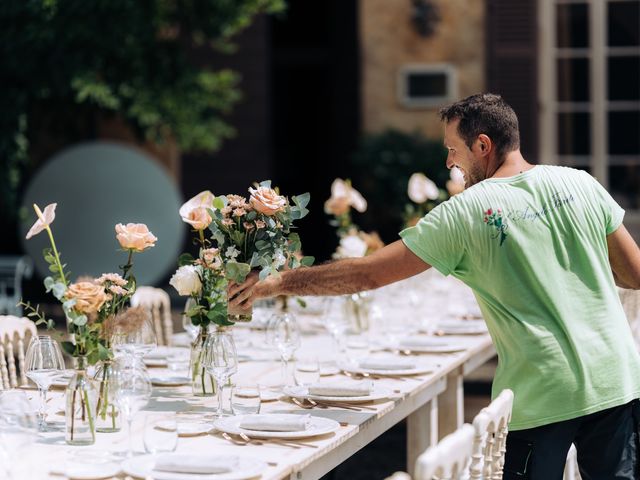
pixel 45 219
pixel 194 212
pixel 265 200
pixel 89 297
pixel 135 236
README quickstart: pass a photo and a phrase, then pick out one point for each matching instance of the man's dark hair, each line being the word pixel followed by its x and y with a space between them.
pixel 485 113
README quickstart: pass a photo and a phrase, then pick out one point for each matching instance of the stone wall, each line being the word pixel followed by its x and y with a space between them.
pixel 388 41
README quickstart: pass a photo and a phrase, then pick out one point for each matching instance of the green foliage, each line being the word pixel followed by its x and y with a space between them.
pixel 70 61
pixel 385 161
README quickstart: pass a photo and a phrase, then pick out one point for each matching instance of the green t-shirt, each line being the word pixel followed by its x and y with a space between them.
pixel 533 248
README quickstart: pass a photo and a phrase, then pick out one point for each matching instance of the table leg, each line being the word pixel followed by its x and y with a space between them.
pixel 422 431
pixel 451 405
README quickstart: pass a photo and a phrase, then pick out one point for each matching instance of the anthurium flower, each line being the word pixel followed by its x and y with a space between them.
pixel 344 196
pixel 421 188
pixel 194 211
pixel 44 219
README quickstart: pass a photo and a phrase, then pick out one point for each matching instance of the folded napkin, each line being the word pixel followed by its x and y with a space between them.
pixel 386 364
pixel 417 342
pixel 273 422
pixel 342 389
pixel 185 463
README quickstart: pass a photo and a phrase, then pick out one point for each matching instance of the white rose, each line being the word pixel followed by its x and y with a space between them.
pixel 351 246
pixel 186 280
pixel 421 189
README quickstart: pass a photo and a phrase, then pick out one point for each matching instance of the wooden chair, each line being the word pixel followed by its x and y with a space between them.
pixel 490 438
pixel 157 302
pixel 449 459
pixel 15 333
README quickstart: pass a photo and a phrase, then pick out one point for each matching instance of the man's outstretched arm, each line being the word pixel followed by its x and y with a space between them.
pixel 624 256
pixel 389 264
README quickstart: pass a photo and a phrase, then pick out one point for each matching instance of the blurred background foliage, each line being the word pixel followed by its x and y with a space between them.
pixel 67 63
pixel 383 164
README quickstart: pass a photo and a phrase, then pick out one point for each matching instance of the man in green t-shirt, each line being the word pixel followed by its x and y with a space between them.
pixel 542 248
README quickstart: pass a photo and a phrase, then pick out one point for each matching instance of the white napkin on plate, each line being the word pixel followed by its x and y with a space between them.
pixel 342 389
pixel 273 422
pixel 421 342
pixel 386 364
pixel 185 463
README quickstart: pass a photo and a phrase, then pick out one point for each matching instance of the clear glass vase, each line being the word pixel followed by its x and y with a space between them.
pixel 108 417
pixel 81 397
pixel 357 308
pixel 202 383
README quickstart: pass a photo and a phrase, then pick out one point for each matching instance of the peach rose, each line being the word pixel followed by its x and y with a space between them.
pixel 45 219
pixel 135 236
pixel 89 297
pixel 266 200
pixel 194 212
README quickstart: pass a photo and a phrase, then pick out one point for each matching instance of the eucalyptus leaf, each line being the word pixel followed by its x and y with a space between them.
pixel 80 320
pixel 302 200
pixel 185 259
pixel 48 283
pixel 251 216
pixel 266 183
pixel 307 260
pixel 58 290
pixel 237 271
pixel 264 273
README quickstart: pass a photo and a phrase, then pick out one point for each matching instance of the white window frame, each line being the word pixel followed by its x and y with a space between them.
pixel 429 68
pixel 598 52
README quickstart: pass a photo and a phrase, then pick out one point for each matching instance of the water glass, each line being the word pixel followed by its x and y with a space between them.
pixel 306 371
pixel 357 346
pixel 179 362
pixel 245 399
pixel 160 432
pixel 220 360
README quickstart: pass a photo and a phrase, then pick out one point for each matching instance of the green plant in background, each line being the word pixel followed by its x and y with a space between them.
pixel 384 162
pixel 66 63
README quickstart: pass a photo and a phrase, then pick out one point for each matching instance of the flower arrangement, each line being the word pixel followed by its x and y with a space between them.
pixel 353 241
pixel 426 195
pixel 244 235
pixel 89 303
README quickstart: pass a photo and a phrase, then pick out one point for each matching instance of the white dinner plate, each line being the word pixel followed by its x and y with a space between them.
pixel 269 395
pixel 317 426
pixel 378 393
pixel 142 467
pixel 86 471
pixel 418 369
pixel 328 370
pixel 174 381
pixel 462 327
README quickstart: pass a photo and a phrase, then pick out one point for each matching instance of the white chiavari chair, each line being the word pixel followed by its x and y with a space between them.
pixel 490 438
pixel 449 459
pixel 158 303
pixel 15 333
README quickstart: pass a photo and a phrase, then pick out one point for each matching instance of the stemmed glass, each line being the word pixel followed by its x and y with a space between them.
pixel 43 363
pixel 336 321
pixel 284 334
pixel 191 329
pixel 18 429
pixel 221 361
pixel 136 342
pixel 131 388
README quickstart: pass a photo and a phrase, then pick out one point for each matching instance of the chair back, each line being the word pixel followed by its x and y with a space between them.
pixel 490 438
pixel 449 459
pixel 15 333
pixel 157 302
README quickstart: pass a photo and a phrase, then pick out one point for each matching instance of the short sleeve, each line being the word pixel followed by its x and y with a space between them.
pixel 437 238
pixel 613 214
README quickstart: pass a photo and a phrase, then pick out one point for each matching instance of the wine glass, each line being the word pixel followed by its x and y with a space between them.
pixel 131 389
pixel 221 361
pixel 136 341
pixel 284 334
pixel 18 430
pixel 43 363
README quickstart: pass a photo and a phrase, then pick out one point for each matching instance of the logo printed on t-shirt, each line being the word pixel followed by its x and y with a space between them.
pixel 494 218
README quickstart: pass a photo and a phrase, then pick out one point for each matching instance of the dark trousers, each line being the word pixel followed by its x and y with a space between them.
pixel 606 441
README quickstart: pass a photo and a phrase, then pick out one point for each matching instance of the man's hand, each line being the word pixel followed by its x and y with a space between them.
pixel 242 296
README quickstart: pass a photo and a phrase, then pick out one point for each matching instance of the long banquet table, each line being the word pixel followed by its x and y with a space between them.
pixel 432 404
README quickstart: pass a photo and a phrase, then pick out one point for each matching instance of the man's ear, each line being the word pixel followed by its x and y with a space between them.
pixel 484 144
